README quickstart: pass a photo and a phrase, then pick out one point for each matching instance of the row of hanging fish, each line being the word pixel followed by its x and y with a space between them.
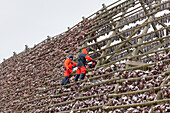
pixel 119 56
pixel 133 41
pixel 108 28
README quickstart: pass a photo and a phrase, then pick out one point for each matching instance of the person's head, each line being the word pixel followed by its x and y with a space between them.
pixel 70 57
pixel 84 51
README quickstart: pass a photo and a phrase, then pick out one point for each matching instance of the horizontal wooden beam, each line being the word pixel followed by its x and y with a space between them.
pixel 133 46
pixel 135 105
pixel 146 77
pixel 137 92
pixel 136 45
pixel 131 21
pixel 123 31
pixel 124 58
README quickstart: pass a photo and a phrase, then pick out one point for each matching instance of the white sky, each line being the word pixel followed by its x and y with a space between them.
pixel 28 22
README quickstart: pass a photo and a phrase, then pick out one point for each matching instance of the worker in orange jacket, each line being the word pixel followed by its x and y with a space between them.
pixel 81 69
pixel 68 65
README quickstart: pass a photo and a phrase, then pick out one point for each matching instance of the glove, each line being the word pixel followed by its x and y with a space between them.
pixel 70 70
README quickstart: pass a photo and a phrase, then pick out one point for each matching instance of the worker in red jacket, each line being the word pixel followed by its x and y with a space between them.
pixel 81 69
pixel 68 65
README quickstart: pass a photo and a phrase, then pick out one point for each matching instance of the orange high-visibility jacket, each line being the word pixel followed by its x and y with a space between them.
pixel 69 63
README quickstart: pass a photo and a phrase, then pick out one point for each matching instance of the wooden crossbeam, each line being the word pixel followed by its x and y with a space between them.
pixel 159 94
pixel 123 38
pixel 164 25
pixel 131 57
pixel 101 76
pixel 109 42
pixel 113 95
pixel 142 44
pixel 100 13
pixel 133 20
pixel 127 30
pixel 116 95
pixel 137 92
pixel 126 39
pixel 131 39
pixel 144 8
pixel 117 9
pixel 160 45
pixel 134 63
pixel 135 105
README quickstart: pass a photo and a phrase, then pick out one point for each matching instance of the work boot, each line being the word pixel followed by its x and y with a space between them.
pixel 76 77
pixel 65 81
pixel 82 75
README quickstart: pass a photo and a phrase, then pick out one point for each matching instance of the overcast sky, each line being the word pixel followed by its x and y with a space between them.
pixel 28 22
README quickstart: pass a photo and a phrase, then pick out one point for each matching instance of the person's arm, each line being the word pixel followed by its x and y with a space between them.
pixel 88 58
pixel 66 64
pixel 74 64
pixel 70 70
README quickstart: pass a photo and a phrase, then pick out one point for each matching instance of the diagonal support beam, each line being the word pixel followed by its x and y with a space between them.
pixel 110 41
pixel 107 45
pixel 164 25
pixel 126 40
pixel 123 38
pixel 140 40
pixel 160 45
pixel 135 52
pixel 159 95
pixel 153 25
pixel 95 50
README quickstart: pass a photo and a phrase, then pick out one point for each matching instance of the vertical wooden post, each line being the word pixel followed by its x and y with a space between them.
pixel 83 18
pixel 26 48
pixel 122 44
pixel 140 40
pixel 14 53
pixel 135 52
pixel 48 38
pixel 85 44
pixel 116 88
pixel 159 95
pixel 109 41
pixel 153 25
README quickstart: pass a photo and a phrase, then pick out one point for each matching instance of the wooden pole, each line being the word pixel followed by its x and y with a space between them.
pixel 134 105
pixel 126 40
pixel 109 42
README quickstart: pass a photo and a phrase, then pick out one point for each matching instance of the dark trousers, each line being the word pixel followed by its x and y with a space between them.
pixel 65 80
pixel 80 76
pixel 76 77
